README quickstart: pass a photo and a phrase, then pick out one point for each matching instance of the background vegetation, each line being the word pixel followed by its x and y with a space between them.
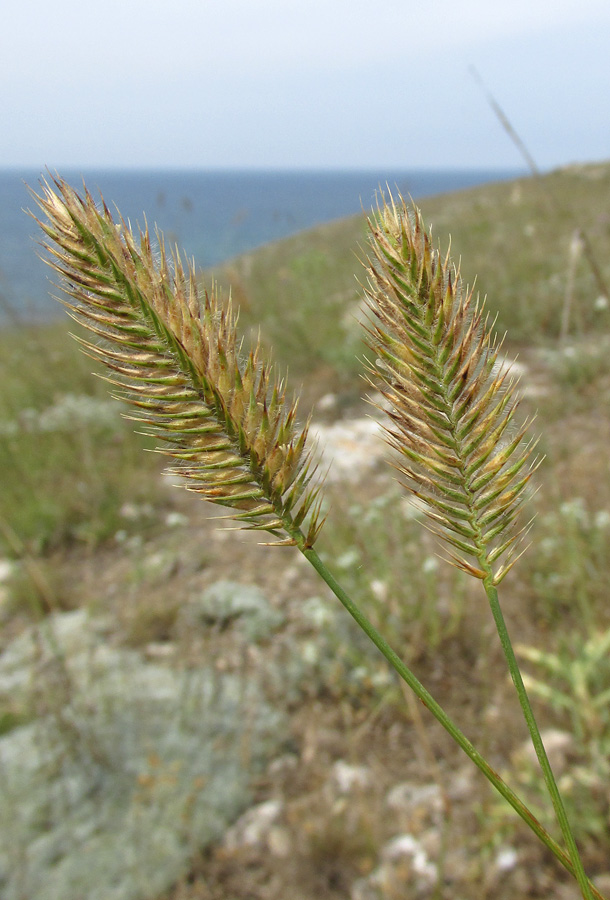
pixel 88 521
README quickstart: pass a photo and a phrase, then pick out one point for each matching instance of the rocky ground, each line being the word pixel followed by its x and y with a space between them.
pixel 197 720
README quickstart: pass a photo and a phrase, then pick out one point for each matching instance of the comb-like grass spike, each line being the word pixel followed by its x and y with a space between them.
pixel 452 410
pixel 167 343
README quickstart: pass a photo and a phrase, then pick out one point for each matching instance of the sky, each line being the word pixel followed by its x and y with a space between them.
pixel 293 84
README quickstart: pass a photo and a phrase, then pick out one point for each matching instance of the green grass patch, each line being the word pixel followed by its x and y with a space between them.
pixel 69 461
pixel 514 238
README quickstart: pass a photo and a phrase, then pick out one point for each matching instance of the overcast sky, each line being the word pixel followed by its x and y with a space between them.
pixel 302 83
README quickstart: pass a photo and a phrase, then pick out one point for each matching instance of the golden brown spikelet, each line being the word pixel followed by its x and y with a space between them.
pixel 174 353
pixel 450 405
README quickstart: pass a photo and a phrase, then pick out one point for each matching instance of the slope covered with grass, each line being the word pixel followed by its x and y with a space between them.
pixel 516 238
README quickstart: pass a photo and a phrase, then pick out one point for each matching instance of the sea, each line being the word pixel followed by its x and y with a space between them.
pixel 212 215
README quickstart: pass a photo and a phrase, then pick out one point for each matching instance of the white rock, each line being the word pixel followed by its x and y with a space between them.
pixel 407 845
pixel 327 402
pixel 318 611
pixel 7 567
pixel 176 519
pixel 347 777
pixel 379 589
pixel 350 448
pixel 253 828
pixel 506 859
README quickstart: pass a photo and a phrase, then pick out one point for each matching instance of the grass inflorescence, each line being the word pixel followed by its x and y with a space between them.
pixel 174 354
pixel 450 407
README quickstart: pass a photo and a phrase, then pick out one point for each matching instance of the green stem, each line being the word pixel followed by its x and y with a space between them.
pixel 513 665
pixel 440 715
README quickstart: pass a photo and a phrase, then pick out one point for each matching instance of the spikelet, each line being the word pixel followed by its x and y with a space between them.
pixel 174 354
pixel 451 406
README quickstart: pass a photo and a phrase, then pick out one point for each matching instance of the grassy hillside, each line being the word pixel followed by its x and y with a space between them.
pixel 514 238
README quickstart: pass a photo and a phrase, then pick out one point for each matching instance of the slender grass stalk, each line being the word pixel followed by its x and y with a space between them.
pixel 545 765
pixel 445 720
pixel 451 407
pixel 174 355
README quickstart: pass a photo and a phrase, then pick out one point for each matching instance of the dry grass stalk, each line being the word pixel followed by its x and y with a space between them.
pixel 450 404
pixel 174 353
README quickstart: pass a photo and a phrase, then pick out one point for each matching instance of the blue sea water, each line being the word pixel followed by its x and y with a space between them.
pixel 212 215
